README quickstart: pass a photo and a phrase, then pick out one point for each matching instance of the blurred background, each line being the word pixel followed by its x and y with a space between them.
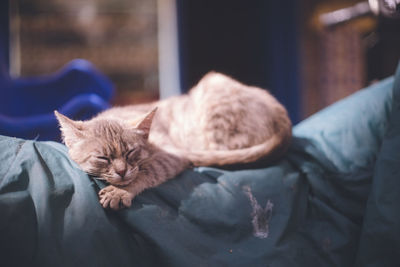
pixel 118 37
pixel 157 48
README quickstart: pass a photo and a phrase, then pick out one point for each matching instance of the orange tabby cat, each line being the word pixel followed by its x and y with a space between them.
pixel 220 121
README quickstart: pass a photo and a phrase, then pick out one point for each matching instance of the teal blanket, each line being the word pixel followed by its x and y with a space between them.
pixel 333 200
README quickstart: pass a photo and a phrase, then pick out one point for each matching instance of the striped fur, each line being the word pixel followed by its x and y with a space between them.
pixel 220 121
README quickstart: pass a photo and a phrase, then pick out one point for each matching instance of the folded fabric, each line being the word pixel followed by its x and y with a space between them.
pixel 336 186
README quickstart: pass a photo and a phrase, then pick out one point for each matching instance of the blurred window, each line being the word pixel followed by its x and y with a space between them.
pixel 119 37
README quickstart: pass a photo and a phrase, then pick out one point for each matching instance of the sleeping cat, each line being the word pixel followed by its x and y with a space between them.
pixel 220 121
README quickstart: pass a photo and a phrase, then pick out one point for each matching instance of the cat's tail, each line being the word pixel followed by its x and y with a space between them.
pixel 271 149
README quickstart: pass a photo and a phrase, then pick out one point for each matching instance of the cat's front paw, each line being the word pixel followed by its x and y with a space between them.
pixel 115 198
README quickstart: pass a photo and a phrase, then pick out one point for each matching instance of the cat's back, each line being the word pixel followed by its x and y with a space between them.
pixel 231 115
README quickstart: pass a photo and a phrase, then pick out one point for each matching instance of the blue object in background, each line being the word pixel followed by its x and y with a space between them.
pixel 27 105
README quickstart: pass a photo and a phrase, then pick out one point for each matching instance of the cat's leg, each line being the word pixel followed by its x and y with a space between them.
pixel 115 197
pixel 121 197
pixel 163 166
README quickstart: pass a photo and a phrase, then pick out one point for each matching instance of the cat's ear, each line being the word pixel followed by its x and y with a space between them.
pixel 145 124
pixel 71 130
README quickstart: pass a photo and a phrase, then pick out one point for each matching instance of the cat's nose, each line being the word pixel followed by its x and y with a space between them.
pixel 121 172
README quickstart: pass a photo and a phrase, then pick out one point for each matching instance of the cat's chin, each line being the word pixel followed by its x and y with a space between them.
pixel 122 183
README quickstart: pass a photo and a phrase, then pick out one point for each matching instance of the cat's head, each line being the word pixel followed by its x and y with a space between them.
pixel 111 149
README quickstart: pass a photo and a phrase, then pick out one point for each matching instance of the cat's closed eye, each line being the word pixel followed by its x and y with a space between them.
pixel 131 153
pixel 103 159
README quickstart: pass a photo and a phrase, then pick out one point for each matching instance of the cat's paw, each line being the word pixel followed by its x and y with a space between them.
pixel 115 198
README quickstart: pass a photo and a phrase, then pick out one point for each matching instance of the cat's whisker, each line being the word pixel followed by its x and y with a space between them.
pixel 98 176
